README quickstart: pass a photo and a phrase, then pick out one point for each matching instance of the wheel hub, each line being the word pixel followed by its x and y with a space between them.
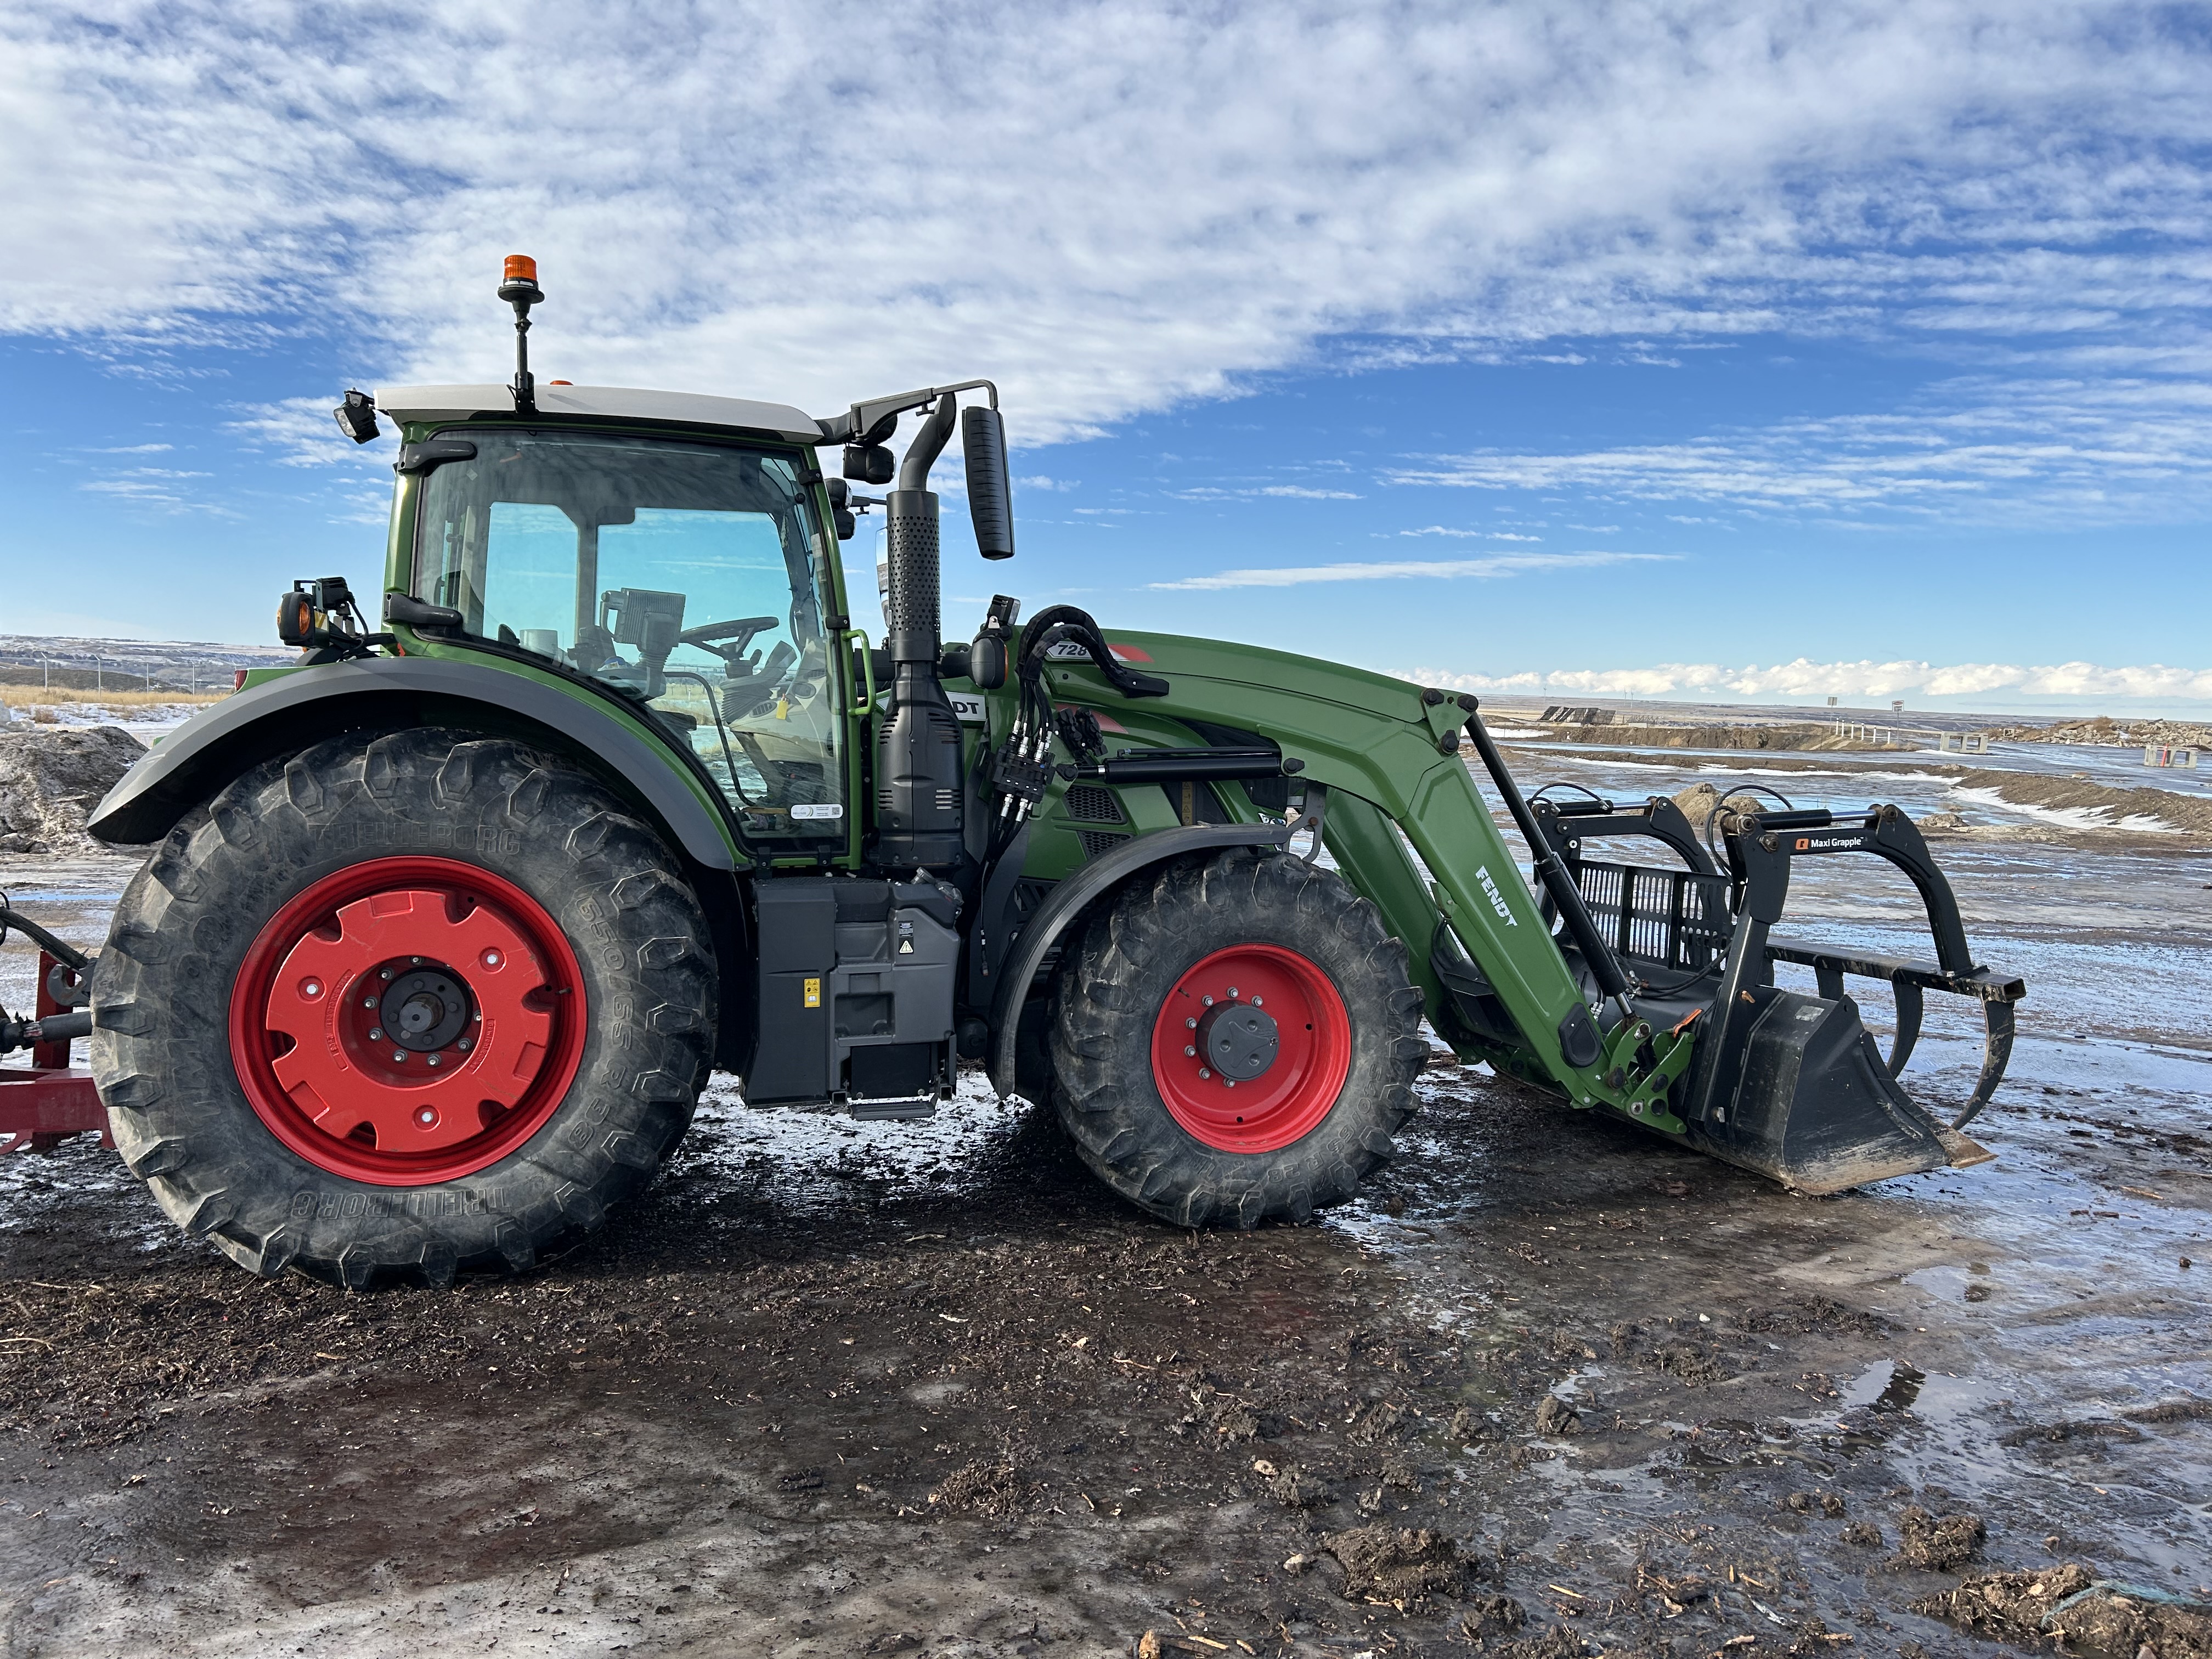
pixel 424 1010
pixel 1239 1040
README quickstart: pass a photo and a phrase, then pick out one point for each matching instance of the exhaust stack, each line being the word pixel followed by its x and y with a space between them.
pixel 918 773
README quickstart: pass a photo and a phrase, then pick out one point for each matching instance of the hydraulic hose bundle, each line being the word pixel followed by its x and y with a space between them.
pixel 1021 769
pixel 65 984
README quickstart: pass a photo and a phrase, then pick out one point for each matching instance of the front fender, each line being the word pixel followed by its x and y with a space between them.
pixel 1070 898
pixel 286 714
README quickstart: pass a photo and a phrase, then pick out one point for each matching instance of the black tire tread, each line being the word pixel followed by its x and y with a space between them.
pixel 1109 991
pixel 160 1048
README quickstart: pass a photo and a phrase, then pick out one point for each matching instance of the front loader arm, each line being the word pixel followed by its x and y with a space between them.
pixel 1718 1057
pixel 1388 755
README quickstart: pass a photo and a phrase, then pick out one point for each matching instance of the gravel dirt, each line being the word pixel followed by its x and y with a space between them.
pixel 831 1389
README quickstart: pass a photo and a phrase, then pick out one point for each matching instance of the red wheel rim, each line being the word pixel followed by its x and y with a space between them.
pixel 468 970
pixel 1310 1048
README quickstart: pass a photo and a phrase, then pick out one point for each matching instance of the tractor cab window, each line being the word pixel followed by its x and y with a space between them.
pixel 684 575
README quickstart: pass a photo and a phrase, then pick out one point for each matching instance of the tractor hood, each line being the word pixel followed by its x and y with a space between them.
pixel 1256 666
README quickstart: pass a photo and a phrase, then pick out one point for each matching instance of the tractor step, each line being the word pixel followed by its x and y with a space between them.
pixel 882 1111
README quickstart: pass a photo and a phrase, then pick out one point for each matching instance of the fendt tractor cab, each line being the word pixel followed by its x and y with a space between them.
pixel 446 925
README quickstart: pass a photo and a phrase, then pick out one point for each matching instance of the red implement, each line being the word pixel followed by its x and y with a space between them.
pixel 51 1100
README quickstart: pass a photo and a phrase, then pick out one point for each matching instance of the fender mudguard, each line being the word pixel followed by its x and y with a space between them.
pixel 1072 895
pixel 285 715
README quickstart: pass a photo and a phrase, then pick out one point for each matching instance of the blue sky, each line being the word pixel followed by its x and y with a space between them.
pixel 1679 349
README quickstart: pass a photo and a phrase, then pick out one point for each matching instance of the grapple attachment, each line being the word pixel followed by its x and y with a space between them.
pixel 1789 1085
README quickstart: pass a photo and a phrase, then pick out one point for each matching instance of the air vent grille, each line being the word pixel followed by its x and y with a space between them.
pixel 1097 843
pixel 1087 803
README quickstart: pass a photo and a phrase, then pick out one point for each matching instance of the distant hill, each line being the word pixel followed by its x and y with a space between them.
pixel 130 665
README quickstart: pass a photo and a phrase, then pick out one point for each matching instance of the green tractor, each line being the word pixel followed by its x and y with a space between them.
pixel 448 923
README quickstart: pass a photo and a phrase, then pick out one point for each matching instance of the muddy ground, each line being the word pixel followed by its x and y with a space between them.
pixel 927 1389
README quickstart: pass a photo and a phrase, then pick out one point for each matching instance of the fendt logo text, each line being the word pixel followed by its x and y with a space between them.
pixel 1497 899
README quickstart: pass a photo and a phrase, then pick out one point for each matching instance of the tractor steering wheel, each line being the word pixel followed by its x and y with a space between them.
pixel 728 640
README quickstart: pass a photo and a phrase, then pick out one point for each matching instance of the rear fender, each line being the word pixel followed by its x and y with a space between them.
pixel 284 715
pixel 1071 897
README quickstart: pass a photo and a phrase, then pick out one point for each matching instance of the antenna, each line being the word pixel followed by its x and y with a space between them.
pixel 518 288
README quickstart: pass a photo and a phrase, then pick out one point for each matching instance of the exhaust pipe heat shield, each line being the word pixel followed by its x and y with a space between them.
pixel 1814 1107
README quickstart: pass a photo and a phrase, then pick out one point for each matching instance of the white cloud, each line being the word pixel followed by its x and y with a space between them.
pixel 1504 564
pixel 1472 535
pixel 1109 210
pixel 1885 681
pixel 1970 447
pixel 1295 492
pixel 1042 480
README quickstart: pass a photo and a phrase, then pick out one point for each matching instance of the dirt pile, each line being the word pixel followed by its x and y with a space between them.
pixel 1807 738
pixel 987 1489
pixel 1699 799
pixel 2176 734
pixel 2071 1607
pixel 2113 806
pixel 1938 1544
pixel 1396 1564
pixel 51 777
pixel 2105 807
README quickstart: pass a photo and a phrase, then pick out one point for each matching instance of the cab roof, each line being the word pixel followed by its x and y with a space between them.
pixel 618 403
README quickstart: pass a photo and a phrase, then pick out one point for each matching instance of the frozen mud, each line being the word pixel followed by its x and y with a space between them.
pixel 1550 1386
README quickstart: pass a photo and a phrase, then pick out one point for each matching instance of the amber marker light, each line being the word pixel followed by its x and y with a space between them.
pixel 521 268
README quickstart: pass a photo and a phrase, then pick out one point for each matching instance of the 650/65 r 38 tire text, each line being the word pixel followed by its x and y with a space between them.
pixel 1236 1041
pixel 401 1006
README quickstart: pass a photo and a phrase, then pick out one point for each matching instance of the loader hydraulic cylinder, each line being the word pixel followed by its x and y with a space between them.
pixel 1603 966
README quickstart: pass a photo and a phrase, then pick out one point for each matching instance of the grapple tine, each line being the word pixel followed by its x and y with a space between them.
pixel 1909 1008
pixel 1996 1055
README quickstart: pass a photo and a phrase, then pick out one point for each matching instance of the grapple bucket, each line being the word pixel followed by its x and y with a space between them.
pixel 1789 1085
pixel 1812 1104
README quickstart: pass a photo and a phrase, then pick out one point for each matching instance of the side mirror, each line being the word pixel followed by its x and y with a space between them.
pixel 990 492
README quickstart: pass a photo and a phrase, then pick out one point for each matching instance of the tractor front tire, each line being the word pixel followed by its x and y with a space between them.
pixel 1235 1041
pixel 403 1006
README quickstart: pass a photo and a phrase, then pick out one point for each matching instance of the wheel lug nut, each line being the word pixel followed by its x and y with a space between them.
pixel 1202 1072
pixel 1232 993
pixel 433 1060
pixel 1190 1051
pixel 385 973
pixel 369 1002
pixel 1256 1002
pixel 1190 1025
pixel 465 1044
pixel 376 1036
pixel 417 960
pixel 399 1056
pixel 1206 1001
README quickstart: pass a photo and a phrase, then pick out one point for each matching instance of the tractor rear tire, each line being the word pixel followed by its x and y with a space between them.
pixel 546 976
pixel 1325 1035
